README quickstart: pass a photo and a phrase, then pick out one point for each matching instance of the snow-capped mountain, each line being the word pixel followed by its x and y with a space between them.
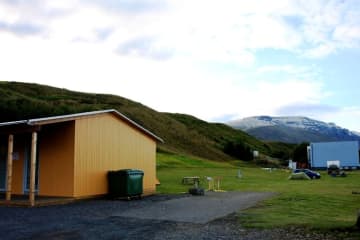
pixel 356 133
pixel 293 129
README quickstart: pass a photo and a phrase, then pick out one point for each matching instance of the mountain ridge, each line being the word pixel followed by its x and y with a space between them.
pixel 293 129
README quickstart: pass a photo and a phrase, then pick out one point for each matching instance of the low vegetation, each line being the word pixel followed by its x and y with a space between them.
pixel 327 203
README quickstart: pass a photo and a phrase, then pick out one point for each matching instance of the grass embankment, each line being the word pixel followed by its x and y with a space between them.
pixel 327 203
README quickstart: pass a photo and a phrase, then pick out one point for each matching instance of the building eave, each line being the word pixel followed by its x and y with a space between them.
pixel 69 117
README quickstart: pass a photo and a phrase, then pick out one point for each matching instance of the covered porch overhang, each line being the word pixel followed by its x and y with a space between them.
pixel 11 129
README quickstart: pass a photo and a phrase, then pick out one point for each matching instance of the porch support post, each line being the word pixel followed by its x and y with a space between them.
pixel 9 167
pixel 32 168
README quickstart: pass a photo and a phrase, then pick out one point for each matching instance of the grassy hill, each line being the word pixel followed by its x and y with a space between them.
pixel 183 134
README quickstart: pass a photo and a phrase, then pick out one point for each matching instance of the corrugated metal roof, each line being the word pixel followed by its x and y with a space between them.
pixel 13 123
pixel 69 117
pixel 62 118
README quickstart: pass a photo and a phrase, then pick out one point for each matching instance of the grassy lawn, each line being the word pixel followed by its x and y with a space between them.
pixel 327 203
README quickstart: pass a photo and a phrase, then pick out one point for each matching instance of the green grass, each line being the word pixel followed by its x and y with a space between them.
pixel 327 203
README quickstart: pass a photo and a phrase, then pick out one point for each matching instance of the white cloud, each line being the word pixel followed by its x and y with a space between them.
pixel 292 91
pixel 320 51
pixel 330 25
pixel 203 29
pixel 176 56
pixel 346 117
pixel 291 69
pixel 348 35
pixel 266 97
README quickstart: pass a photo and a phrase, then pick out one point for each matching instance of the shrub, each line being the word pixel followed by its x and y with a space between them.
pixel 238 150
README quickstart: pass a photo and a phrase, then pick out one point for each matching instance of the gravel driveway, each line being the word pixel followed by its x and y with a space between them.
pixel 106 219
pixel 198 209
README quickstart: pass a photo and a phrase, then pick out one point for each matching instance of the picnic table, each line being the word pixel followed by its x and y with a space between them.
pixel 191 180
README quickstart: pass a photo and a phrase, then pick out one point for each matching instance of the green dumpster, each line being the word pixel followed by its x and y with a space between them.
pixel 125 183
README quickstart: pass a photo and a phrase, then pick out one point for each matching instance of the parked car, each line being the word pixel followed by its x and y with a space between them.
pixel 311 174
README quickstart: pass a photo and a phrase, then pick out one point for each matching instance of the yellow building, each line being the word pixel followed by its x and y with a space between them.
pixel 70 155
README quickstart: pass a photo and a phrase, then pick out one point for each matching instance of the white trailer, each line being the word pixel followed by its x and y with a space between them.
pixel 345 154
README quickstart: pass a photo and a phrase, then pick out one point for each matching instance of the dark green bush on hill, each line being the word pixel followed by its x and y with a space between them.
pixel 239 150
pixel 300 153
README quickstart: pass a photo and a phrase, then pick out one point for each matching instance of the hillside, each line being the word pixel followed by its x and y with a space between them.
pixel 183 134
pixel 293 129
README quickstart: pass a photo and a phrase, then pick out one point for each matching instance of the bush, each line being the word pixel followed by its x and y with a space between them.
pixel 238 150
pixel 300 153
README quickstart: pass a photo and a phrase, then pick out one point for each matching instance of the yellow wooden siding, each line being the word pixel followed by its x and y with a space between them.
pixel 56 157
pixel 104 143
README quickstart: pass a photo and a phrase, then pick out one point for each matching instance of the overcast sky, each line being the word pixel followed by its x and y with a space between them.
pixel 216 60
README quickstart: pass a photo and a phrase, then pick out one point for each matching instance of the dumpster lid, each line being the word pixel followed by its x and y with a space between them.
pixel 130 172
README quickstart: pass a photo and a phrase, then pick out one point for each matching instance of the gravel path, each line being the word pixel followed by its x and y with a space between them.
pixel 94 219
pixel 198 209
